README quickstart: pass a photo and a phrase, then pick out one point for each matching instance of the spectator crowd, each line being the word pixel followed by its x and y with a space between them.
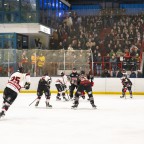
pixel 115 38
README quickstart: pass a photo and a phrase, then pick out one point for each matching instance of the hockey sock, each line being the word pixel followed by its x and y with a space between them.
pixel 5 106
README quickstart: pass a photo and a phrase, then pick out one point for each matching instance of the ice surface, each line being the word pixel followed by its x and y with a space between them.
pixel 116 121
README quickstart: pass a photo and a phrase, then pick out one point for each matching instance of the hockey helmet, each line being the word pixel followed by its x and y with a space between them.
pixel 46 74
pixel 82 72
pixel 74 69
pixel 62 73
pixel 21 69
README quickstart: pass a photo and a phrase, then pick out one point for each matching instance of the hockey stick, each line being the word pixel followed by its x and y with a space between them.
pixel 32 102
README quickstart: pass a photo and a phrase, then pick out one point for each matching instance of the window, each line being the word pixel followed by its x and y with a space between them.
pixel 11 5
pixel 29 17
pixel 8 44
pixel 28 5
pixel 1 17
pixel 1 44
pixel 1 6
pixel 8 35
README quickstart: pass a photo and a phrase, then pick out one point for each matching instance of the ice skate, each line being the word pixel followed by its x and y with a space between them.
pixel 94 106
pixel 71 99
pixel 122 96
pixel 58 98
pixel 2 114
pixel 65 98
pixel 48 105
pixel 131 96
pixel 37 103
pixel 74 106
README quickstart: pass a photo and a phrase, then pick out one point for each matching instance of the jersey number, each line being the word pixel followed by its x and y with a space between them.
pixel 15 79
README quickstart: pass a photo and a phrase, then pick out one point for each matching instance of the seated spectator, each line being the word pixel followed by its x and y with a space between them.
pixel 70 47
pixel 99 64
pixel 119 53
pixel 60 46
pixel 139 74
pixel 113 62
pixel 133 74
pixel 105 73
pixel 119 74
pixel 111 53
pixel 89 44
pixel 113 73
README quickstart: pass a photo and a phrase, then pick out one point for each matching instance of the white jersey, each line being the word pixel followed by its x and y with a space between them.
pixel 63 80
pixel 17 81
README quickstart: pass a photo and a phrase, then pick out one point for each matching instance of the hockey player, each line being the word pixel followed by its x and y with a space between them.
pixel 44 87
pixel 127 85
pixel 74 76
pixel 16 81
pixel 84 85
pixel 61 85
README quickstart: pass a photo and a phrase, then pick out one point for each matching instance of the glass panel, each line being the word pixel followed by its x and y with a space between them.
pixel 1 7
pixel 25 42
pixel 1 17
pixel 49 3
pixel 15 17
pixel 11 17
pixel 11 5
pixel 19 41
pixel 8 44
pixel 28 5
pixel 8 17
pixel 0 44
pixel 8 35
pixel 29 17
pixel 1 36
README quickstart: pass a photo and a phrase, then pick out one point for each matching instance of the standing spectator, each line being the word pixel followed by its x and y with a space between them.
pixel 33 63
pixel 132 74
pixel 24 61
pixel 139 74
pixel 119 74
pixel 40 64
pixel 105 73
pixel 99 64
pixel 113 62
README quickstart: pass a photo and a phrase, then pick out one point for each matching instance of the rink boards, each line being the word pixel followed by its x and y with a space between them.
pixel 101 85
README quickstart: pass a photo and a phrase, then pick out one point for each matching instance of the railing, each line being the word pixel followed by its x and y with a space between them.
pixel 38 62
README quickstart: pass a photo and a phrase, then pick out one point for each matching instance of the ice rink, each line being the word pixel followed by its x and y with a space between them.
pixel 115 121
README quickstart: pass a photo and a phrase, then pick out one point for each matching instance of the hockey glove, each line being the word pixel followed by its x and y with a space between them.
pixel 27 85
pixel 64 86
pixel 92 83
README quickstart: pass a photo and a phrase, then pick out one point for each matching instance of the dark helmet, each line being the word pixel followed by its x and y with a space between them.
pixel 62 73
pixel 82 72
pixel 74 68
pixel 46 74
pixel 21 69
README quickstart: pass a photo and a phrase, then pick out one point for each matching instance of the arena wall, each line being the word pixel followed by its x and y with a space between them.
pixel 101 85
